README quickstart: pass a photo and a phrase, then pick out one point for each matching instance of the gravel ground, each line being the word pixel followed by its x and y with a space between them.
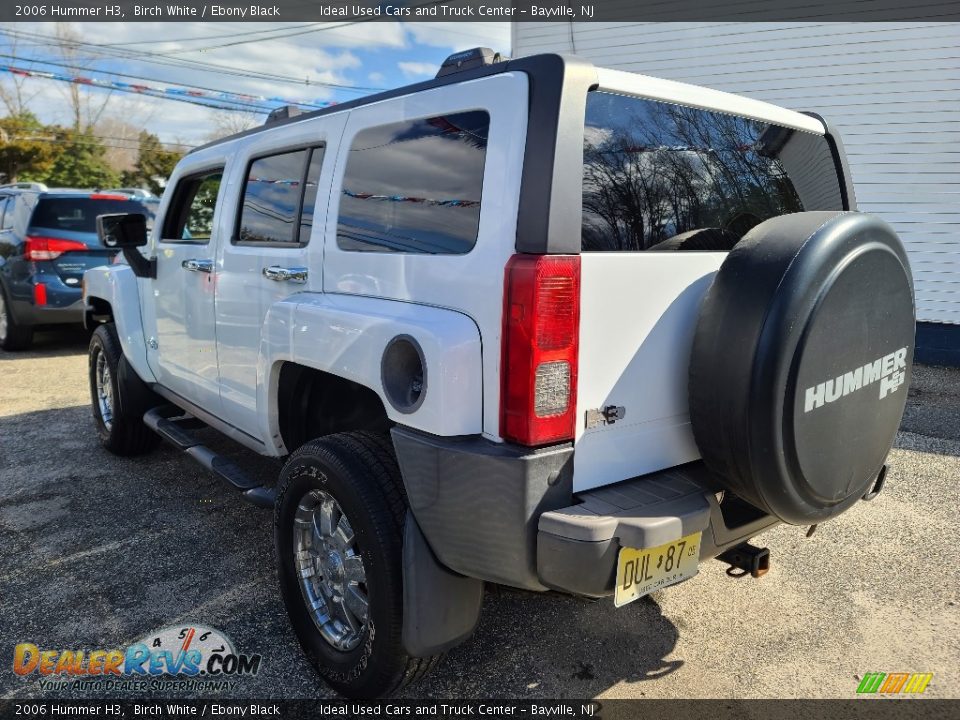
pixel 96 551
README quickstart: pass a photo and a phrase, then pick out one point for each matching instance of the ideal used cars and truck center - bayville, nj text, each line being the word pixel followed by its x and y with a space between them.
pixel 251 11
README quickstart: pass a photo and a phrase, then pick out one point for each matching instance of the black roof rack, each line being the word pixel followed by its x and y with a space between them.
pixel 468 59
pixel 283 113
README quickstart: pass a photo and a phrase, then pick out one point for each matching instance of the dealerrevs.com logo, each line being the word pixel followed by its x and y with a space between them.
pixel 180 657
pixel 890 371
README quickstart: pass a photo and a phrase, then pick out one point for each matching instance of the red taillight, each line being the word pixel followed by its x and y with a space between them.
pixel 108 196
pixel 538 369
pixel 45 248
pixel 39 294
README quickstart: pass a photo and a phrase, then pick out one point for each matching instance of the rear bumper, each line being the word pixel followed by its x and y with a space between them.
pixel 578 546
pixel 29 314
pixel 508 515
pixel 64 303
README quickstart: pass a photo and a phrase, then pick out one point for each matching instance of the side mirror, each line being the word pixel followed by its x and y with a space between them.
pixel 127 232
pixel 122 230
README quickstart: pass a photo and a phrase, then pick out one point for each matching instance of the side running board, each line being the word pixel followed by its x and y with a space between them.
pixel 175 426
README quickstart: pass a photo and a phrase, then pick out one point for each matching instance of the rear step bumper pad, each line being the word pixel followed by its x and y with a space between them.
pixel 577 546
pixel 177 431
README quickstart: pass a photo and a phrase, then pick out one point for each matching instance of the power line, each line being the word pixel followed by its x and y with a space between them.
pixel 207 37
pixel 95 140
pixel 285 35
pixel 172 61
pixel 233 105
pixel 243 96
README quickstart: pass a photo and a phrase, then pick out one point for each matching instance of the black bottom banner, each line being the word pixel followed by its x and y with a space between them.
pixel 854 709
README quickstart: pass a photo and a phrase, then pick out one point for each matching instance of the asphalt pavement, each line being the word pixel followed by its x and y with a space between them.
pixel 98 551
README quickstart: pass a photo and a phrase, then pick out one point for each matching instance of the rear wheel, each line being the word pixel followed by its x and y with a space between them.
pixel 119 420
pixel 13 335
pixel 339 534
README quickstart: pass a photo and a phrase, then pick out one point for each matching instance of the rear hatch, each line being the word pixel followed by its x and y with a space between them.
pixel 668 190
pixel 63 231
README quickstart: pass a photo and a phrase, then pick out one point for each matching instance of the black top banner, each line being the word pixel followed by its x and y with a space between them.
pixel 337 11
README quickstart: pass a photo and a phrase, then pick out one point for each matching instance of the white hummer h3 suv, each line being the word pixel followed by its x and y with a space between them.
pixel 532 322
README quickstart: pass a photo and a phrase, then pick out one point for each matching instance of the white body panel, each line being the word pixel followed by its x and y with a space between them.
pixel 117 285
pixel 890 89
pixel 471 283
pixel 346 336
pixel 243 294
pixel 178 305
pixel 223 337
pixel 638 312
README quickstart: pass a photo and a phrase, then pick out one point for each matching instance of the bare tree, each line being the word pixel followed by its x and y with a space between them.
pixel 229 122
pixel 13 92
pixel 86 108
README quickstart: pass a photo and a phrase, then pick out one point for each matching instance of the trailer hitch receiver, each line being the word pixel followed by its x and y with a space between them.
pixel 744 559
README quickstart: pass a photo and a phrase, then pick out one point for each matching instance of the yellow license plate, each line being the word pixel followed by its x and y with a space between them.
pixel 640 572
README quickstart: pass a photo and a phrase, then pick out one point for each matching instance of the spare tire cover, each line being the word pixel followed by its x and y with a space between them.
pixel 801 362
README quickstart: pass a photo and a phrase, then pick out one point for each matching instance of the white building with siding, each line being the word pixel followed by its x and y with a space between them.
pixel 891 89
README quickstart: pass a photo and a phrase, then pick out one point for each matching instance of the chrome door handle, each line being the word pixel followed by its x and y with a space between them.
pixel 282 274
pixel 194 265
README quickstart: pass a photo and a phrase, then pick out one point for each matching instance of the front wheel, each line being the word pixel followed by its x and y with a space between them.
pixel 339 533
pixel 13 335
pixel 118 418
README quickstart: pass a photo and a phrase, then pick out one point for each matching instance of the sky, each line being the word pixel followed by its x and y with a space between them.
pixel 341 61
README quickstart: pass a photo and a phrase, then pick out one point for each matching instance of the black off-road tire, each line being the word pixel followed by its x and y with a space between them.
pixel 359 470
pixel 13 335
pixel 124 432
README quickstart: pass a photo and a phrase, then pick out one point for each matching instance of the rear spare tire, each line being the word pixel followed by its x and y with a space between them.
pixel 801 362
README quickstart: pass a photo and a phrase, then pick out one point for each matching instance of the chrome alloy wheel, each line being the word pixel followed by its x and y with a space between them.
pixel 104 390
pixel 332 577
pixel 3 318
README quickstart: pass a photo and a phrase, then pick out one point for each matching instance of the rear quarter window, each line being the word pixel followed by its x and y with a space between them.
pixel 78 214
pixel 665 177
pixel 414 186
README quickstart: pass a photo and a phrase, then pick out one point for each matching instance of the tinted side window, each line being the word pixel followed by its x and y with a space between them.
pixel 190 217
pixel 414 186
pixel 278 188
pixel 665 177
pixel 6 214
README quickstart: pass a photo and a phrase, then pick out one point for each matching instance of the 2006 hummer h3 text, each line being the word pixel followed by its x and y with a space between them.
pixel 532 322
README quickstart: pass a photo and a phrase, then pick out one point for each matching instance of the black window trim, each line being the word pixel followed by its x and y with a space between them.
pixel 273 152
pixel 193 174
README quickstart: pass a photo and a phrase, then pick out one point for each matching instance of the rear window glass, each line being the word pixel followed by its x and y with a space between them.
pixel 414 186
pixel 78 214
pixel 664 177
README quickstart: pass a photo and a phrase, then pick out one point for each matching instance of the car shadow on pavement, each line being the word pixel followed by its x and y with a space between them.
pixel 531 645
pixel 99 551
pixel 53 342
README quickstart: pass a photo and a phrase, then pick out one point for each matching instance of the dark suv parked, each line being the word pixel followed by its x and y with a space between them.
pixel 47 240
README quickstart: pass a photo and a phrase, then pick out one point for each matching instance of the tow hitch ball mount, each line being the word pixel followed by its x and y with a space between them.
pixel 746 559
